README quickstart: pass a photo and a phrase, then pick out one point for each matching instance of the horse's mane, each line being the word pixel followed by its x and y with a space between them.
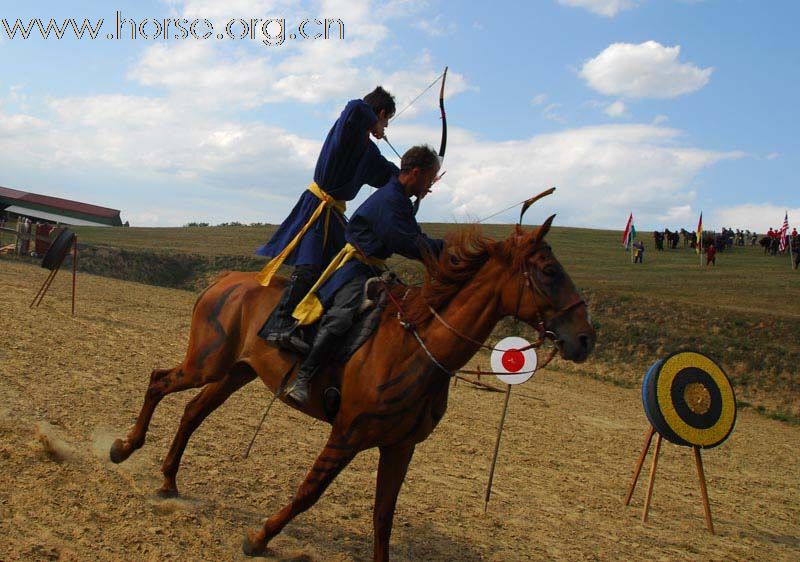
pixel 465 251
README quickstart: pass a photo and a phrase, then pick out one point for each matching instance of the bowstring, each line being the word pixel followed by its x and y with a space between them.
pixel 412 102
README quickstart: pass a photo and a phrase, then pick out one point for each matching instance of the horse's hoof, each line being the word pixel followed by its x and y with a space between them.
pixel 166 493
pixel 117 454
pixel 252 547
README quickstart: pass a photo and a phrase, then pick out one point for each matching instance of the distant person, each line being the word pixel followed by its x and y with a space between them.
pixel 638 252
pixel 711 255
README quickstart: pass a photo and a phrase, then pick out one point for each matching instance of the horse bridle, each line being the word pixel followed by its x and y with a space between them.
pixel 526 278
pixel 536 290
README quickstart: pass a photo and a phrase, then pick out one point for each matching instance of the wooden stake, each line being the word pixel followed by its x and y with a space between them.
pixel 701 475
pixel 496 449
pixel 44 286
pixel 74 271
pixel 651 480
pixel 638 468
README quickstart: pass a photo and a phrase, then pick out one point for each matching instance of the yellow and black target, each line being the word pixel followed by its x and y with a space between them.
pixel 689 400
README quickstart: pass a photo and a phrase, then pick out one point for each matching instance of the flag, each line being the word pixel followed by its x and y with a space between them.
pixel 700 234
pixel 627 232
pixel 633 234
pixel 784 229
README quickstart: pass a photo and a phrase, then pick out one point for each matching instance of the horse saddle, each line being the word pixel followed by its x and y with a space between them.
pixel 369 315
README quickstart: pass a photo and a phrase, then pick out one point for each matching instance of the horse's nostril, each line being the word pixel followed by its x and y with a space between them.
pixel 585 341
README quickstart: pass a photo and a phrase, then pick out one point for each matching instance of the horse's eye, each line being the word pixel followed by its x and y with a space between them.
pixel 550 270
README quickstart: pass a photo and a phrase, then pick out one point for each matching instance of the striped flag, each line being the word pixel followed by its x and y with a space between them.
pixel 700 234
pixel 626 234
pixel 784 230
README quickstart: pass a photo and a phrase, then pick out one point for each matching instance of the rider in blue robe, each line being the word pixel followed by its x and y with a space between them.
pixel 348 160
pixel 383 225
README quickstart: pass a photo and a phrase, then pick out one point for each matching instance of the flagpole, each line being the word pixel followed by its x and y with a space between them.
pixel 630 239
pixel 700 238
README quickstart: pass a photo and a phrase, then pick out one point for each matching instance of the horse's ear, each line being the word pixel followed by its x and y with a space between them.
pixel 542 231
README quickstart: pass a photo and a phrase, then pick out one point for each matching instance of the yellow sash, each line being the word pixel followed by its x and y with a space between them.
pixel 326 204
pixel 310 308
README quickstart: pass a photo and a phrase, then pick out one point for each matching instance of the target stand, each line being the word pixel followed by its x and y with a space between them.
pixel 689 401
pixel 52 260
pixel 513 362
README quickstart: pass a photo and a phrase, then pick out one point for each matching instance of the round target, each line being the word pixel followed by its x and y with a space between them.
pixel 689 400
pixel 507 357
pixel 58 249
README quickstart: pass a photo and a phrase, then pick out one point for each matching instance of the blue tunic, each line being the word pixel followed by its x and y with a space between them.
pixel 383 225
pixel 348 160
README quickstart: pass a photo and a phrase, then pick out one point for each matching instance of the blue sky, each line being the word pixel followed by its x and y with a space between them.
pixel 659 107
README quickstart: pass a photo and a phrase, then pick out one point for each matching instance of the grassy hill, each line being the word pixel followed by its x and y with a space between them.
pixel 745 312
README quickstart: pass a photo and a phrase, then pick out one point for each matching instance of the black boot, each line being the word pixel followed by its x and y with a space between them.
pixel 280 326
pixel 320 351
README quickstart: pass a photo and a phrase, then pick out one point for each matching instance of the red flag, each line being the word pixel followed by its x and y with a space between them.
pixel 627 231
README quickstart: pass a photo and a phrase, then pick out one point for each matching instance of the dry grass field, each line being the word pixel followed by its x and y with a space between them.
pixel 69 385
pixel 745 311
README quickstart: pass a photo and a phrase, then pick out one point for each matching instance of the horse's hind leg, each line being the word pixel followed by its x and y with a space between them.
pixel 327 467
pixel 196 411
pixel 162 382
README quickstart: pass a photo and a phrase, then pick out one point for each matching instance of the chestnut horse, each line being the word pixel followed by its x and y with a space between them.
pixel 392 393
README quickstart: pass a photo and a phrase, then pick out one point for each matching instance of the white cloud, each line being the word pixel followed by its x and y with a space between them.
pixel 616 109
pixel 753 216
pixel 773 155
pixel 436 27
pixel 676 215
pixel 601 172
pixel 151 140
pixel 551 113
pixel 539 99
pixel 647 70
pixel 607 8
pixel 660 119
pixel 214 75
pixel 203 76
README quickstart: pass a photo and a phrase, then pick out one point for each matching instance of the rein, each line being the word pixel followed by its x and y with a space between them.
pixel 544 334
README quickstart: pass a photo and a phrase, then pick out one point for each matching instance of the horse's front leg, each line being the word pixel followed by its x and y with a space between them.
pixel 331 461
pixel 392 470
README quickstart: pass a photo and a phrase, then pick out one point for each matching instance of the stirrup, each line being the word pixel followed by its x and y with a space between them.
pixel 297 393
pixel 293 343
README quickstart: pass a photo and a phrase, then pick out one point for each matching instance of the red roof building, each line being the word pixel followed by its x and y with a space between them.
pixel 55 209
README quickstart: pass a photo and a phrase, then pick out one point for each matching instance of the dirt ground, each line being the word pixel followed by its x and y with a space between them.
pixel 71 385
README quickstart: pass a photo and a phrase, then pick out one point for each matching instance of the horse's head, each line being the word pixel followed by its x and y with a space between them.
pixel 539 292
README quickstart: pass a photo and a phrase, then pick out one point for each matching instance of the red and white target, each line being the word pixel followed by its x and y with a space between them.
pixel 507 358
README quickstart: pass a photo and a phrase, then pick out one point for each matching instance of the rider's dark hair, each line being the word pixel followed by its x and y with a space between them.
pixel 379 99
pixel 423 157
